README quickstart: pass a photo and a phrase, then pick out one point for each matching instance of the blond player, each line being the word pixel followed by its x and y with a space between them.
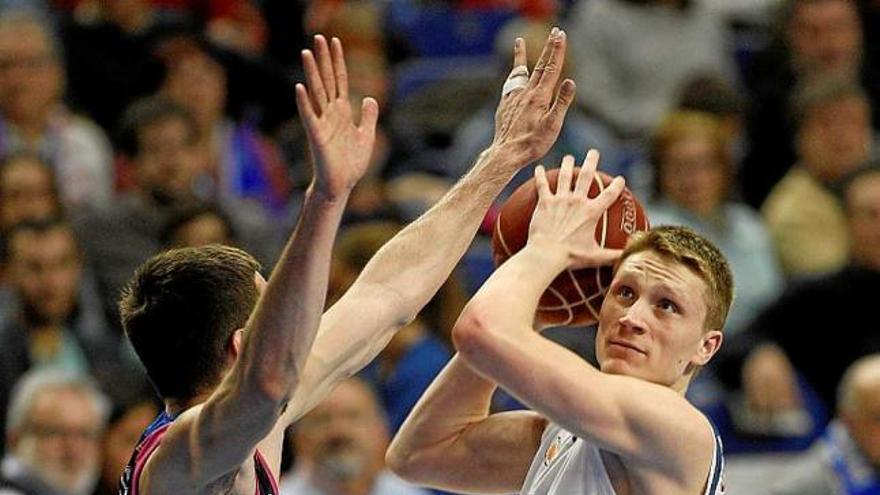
pixel 623 429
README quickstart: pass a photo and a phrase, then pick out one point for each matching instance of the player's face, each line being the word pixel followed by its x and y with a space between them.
pixel 651 325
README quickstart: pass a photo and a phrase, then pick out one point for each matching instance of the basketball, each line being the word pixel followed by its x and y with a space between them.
pixel 575 296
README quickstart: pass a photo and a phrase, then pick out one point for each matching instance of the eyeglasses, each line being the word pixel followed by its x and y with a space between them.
pixel 54 432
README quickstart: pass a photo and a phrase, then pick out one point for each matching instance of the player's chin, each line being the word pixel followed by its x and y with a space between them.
pixel 614 365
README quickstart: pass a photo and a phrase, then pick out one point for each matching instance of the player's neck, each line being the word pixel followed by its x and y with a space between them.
pixel 681 386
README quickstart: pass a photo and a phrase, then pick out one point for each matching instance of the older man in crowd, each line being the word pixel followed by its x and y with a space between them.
pixel 33 117
pixel 54 431
pixel 340 448
pixel 846 461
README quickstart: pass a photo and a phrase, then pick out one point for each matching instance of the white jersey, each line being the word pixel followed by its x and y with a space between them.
pixel 568 465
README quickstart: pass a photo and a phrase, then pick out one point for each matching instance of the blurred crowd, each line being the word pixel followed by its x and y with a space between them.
pixel 132 126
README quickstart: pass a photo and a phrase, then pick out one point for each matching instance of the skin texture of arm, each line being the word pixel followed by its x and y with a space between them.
pixel 216 439
pixel 405 274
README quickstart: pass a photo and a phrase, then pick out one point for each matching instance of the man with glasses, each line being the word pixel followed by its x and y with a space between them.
pixel 55 423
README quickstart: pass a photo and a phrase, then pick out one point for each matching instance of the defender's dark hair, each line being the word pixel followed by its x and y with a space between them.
pixel 180 310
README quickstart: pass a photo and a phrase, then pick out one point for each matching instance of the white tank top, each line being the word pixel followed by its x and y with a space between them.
pixel 568 465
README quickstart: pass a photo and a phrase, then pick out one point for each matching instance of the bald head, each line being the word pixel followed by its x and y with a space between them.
pixel 861 380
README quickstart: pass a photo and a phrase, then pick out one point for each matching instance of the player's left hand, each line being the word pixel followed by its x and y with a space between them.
pixel 340 148
pixel 567 218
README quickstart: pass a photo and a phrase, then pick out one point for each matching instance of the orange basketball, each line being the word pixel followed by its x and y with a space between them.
pixel 575 296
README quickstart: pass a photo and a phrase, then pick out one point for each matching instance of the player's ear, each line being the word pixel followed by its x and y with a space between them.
pixel 234 346
pixel 709 345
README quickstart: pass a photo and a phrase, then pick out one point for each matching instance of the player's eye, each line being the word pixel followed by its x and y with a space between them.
pixel 668 306
pixel 624 292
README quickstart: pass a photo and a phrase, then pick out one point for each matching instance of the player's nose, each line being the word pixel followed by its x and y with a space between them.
pixel 633 318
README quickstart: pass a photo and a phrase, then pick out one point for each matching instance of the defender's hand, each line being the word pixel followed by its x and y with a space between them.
pixel 340 149
pixel 530 114
pixel 566 220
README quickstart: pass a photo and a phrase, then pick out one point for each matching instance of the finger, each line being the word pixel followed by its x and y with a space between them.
pixel 313 79
pixel 564 98
pixel 542 60
pixel 587 173
pixel 339 69
pixel 519 74
pixel 541 183
pixel 553 66
pixel 304 104
pixel 566 171
pixel 369 115
pixel 607 197
pixel 325 65
pixel 606 257
pixel 519 53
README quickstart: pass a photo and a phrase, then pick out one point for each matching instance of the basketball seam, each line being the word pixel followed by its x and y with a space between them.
pixel 567 307
pixel 501 236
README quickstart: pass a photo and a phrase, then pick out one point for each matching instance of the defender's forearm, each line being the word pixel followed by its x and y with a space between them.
pixel 412 267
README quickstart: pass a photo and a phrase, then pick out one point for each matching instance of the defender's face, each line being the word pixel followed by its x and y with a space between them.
pixel 651 325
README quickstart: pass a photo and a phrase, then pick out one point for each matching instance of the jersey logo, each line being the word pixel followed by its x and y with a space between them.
pixel 562 441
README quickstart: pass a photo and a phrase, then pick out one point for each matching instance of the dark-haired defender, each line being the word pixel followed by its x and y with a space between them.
pixel 626 429
pixel 232 379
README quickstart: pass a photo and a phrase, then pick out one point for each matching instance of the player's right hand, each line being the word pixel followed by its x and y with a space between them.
pixel 340 149
pixel 530 115
pixel 566 220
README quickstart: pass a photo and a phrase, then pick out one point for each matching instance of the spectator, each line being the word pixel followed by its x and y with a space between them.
pixel 126 425
pixel 792 335
pixel 693 176
pixel 198 225
pixel 34 119
pixel 631 57
pixel 235 163
pixel 846 460
pixel 159 136
pixel 54 432
pixel 711 94
pixel 340 448
pixel 816 39
pixel 834 137
pixel 28 190
pixel 56 319
pixel 110 59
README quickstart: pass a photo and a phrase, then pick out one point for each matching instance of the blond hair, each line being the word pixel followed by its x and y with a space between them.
pixel 694 251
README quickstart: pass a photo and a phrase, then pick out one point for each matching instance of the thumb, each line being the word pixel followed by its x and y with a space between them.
pixel 369 115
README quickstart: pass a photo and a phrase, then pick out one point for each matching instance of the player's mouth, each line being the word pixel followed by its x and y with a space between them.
pixel 626 345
